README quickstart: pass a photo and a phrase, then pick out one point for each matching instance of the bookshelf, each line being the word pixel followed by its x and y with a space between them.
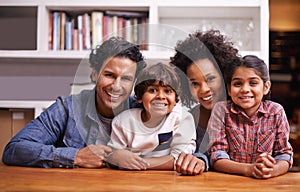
pixel 246 22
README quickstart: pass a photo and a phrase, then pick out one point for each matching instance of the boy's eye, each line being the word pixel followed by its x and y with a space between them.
pixel 168 91
pixel 152 90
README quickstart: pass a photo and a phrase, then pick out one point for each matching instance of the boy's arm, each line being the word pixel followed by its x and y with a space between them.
pixel 162 163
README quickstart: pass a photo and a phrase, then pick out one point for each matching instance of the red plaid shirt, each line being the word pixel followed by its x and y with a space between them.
pixel 233 135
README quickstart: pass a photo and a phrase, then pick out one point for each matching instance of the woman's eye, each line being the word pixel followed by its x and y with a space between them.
pixel 194 84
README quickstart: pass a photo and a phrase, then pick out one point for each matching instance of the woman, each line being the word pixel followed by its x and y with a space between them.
pixel 202 57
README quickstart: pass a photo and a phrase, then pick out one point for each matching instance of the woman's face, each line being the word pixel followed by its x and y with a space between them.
pixel 206 83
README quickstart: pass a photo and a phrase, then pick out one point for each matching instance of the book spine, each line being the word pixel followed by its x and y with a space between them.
pixel 68 35
pixel 97 31
pixel 62 30
pixel 80 35
pixel 50 32
pixel 56 31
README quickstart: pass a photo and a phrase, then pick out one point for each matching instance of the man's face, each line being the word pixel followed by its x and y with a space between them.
pixel 114 84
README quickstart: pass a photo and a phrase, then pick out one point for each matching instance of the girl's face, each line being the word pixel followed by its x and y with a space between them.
pixel 247 89
pixel 206 83
pixel 158 101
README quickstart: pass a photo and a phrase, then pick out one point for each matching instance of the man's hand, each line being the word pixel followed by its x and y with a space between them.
pixel 189 165
pixel 127 160
pixel 92 156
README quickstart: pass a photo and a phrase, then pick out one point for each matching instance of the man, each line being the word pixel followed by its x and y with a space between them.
pixel 74 131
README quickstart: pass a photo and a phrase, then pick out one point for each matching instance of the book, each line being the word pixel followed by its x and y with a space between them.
pixel 86 31
pixel 56 30
pixel 126 13
pixel 75 39
pixel 62 30
pixel 80 35
pixel 106 27
pixel 97 31
pixel 50 32
pixel 68 35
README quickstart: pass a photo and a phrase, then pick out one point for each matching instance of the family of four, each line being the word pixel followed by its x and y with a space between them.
pixel 208 108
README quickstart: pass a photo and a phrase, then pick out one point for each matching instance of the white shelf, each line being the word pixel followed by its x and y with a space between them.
pixel 183 16
pixel 38 106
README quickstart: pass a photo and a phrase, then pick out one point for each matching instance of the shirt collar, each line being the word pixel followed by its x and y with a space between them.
pixel 91 110
pixel 262 109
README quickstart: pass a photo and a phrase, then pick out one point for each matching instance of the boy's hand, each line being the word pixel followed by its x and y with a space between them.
pixel 125 159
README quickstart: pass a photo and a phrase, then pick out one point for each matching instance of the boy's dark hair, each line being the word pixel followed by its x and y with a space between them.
pixel 210 45
pixel 249 61
pixel 163 73
pixel 116 47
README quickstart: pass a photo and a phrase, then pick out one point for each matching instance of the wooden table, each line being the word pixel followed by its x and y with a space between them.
pixel 82 179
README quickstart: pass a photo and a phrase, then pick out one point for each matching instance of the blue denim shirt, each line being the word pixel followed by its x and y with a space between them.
pixel 54 138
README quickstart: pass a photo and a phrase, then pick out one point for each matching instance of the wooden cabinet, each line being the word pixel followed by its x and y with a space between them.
pixel 12 121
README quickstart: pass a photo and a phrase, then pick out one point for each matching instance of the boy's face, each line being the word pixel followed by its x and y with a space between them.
pixel 247 89
pixel 158 101
pixel 114 84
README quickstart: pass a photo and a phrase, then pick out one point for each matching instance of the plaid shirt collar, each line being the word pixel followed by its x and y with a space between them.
pixel 262 109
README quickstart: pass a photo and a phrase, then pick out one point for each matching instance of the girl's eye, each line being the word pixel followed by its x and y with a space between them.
pixel 253 83
pixel 237 84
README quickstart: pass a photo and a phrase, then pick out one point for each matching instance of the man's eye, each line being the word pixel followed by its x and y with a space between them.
pixel 127 79
pixel 109 75
pixel 209 79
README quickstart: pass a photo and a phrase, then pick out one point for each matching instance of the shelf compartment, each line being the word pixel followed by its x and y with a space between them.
pixel 19 28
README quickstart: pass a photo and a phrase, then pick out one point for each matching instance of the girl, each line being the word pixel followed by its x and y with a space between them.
pixel 249 134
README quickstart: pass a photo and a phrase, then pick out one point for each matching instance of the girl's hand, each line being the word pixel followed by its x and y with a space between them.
pixel 263 167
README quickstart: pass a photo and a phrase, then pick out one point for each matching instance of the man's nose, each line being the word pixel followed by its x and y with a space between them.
pixel 116 84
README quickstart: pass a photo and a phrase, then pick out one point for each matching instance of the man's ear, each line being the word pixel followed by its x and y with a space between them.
pixel 94 75
pixel 267 87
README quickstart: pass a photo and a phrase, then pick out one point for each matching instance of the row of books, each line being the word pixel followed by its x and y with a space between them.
pixel 85 31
